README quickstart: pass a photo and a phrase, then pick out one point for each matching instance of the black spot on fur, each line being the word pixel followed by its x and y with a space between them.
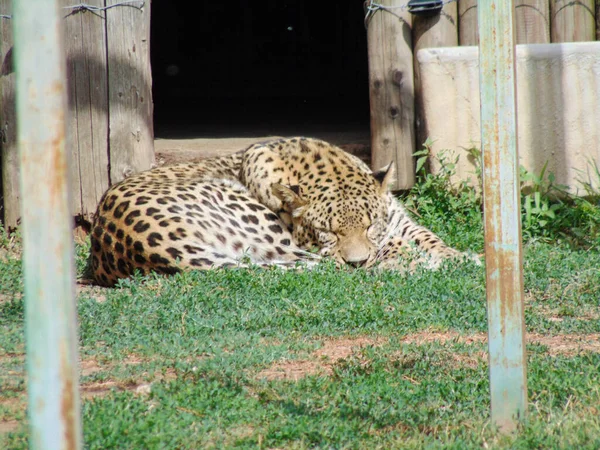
pixel 154 238
pixel 95 244
pixel 131 217
pixel 109 203
pixel 253 207
pixel 120 210
pixel 141 226
pixel 275 228
pixel 142 200
pixel 138 247
pixel 175 254
pixel 98 232
pixel 201 262
pixel 151 211
pixel 122 266
pixel 155 258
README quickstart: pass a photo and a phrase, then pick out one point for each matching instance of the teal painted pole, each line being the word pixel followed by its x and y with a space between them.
pixel 50 323
pixel 502 211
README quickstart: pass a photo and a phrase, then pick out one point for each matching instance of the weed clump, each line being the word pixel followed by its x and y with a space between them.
pixel 549 211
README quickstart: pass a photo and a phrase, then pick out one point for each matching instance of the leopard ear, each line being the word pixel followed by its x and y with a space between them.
pixel 385 177
pixel 290 197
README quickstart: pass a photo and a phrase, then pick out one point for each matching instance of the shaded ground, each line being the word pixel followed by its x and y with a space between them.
pixel 320 362
pixel 171 151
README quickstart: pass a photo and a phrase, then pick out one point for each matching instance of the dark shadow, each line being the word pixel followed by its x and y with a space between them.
pixel 87 99
pixel 243 69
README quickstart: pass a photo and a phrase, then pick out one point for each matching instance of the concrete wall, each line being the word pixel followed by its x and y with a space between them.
pixel 558 100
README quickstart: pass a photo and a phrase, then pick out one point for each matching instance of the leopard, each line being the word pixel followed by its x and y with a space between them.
pixel 287 202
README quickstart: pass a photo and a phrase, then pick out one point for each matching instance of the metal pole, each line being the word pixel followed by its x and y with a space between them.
pixel 501 199
pixel 50 322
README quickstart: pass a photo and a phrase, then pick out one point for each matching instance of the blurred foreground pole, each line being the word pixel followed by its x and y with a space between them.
pixel 50 322
pixel 502 208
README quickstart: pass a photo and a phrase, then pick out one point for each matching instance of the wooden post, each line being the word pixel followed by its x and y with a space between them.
pixel 9 155
pixel 391 91
pixel 110 131
pixel 468 32
pixel 131 135
pixel 573 21
pixel 440 30
pixel 50 323
pixel 532 21
pixel 502 208
pixel 87 118
pixel 598 20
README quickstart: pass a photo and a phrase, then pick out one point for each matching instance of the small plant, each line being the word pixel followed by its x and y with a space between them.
pixel 549 211
pixel 539 202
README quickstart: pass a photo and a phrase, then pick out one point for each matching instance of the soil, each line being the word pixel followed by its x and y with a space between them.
pixel 172 151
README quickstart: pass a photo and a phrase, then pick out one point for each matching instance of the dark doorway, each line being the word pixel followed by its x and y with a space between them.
pixel 272 67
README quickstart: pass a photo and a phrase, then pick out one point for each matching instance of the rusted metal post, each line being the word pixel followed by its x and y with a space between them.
pixel 46 227
pixel 501 198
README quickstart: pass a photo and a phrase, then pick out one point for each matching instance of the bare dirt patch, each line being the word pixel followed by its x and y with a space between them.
pixel 562 344
pixel 6 298
pixel 102 388
pixel 9 426
pixel 98 293
pixel 322 360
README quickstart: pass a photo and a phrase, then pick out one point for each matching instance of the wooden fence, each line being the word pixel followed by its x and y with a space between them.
pixel 395 36
pixel 109 118
pixel 109 123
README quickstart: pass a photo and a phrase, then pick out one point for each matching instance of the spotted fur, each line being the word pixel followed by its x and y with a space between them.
pixel 269 205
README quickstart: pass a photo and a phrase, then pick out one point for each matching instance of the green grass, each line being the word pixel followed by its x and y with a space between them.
pixel 203 341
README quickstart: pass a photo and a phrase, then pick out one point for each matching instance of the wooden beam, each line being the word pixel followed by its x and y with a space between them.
pixel 391 91
pixel 87 117
pixel 131 135
pixel 440 30
pixel 532 21
pixel 468 32
pixel 10 196
pixel 502 213
pixel 50 322
pixel 573 21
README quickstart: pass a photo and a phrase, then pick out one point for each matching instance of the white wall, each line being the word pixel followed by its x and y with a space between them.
pixel 558 101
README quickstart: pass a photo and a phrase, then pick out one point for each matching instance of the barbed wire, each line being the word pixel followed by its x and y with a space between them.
pixel 371 7
pixel 82 7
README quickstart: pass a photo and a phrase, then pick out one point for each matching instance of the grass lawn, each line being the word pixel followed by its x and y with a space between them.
pixel 327 358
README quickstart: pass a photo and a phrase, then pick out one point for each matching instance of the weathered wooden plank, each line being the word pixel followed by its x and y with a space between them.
pixel 532 21
pixel 502 212
pixel 437 31
pixel 598 20
pixel 131 136
pixel 468 32
pixel 573 21
pixel 87 118
pixel 9 157
pixel 391 92
pixel 50 324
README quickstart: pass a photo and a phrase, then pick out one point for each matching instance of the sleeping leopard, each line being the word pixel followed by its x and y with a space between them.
pixel 282 202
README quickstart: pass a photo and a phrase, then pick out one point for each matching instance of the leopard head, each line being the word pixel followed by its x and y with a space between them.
pixel 346 223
